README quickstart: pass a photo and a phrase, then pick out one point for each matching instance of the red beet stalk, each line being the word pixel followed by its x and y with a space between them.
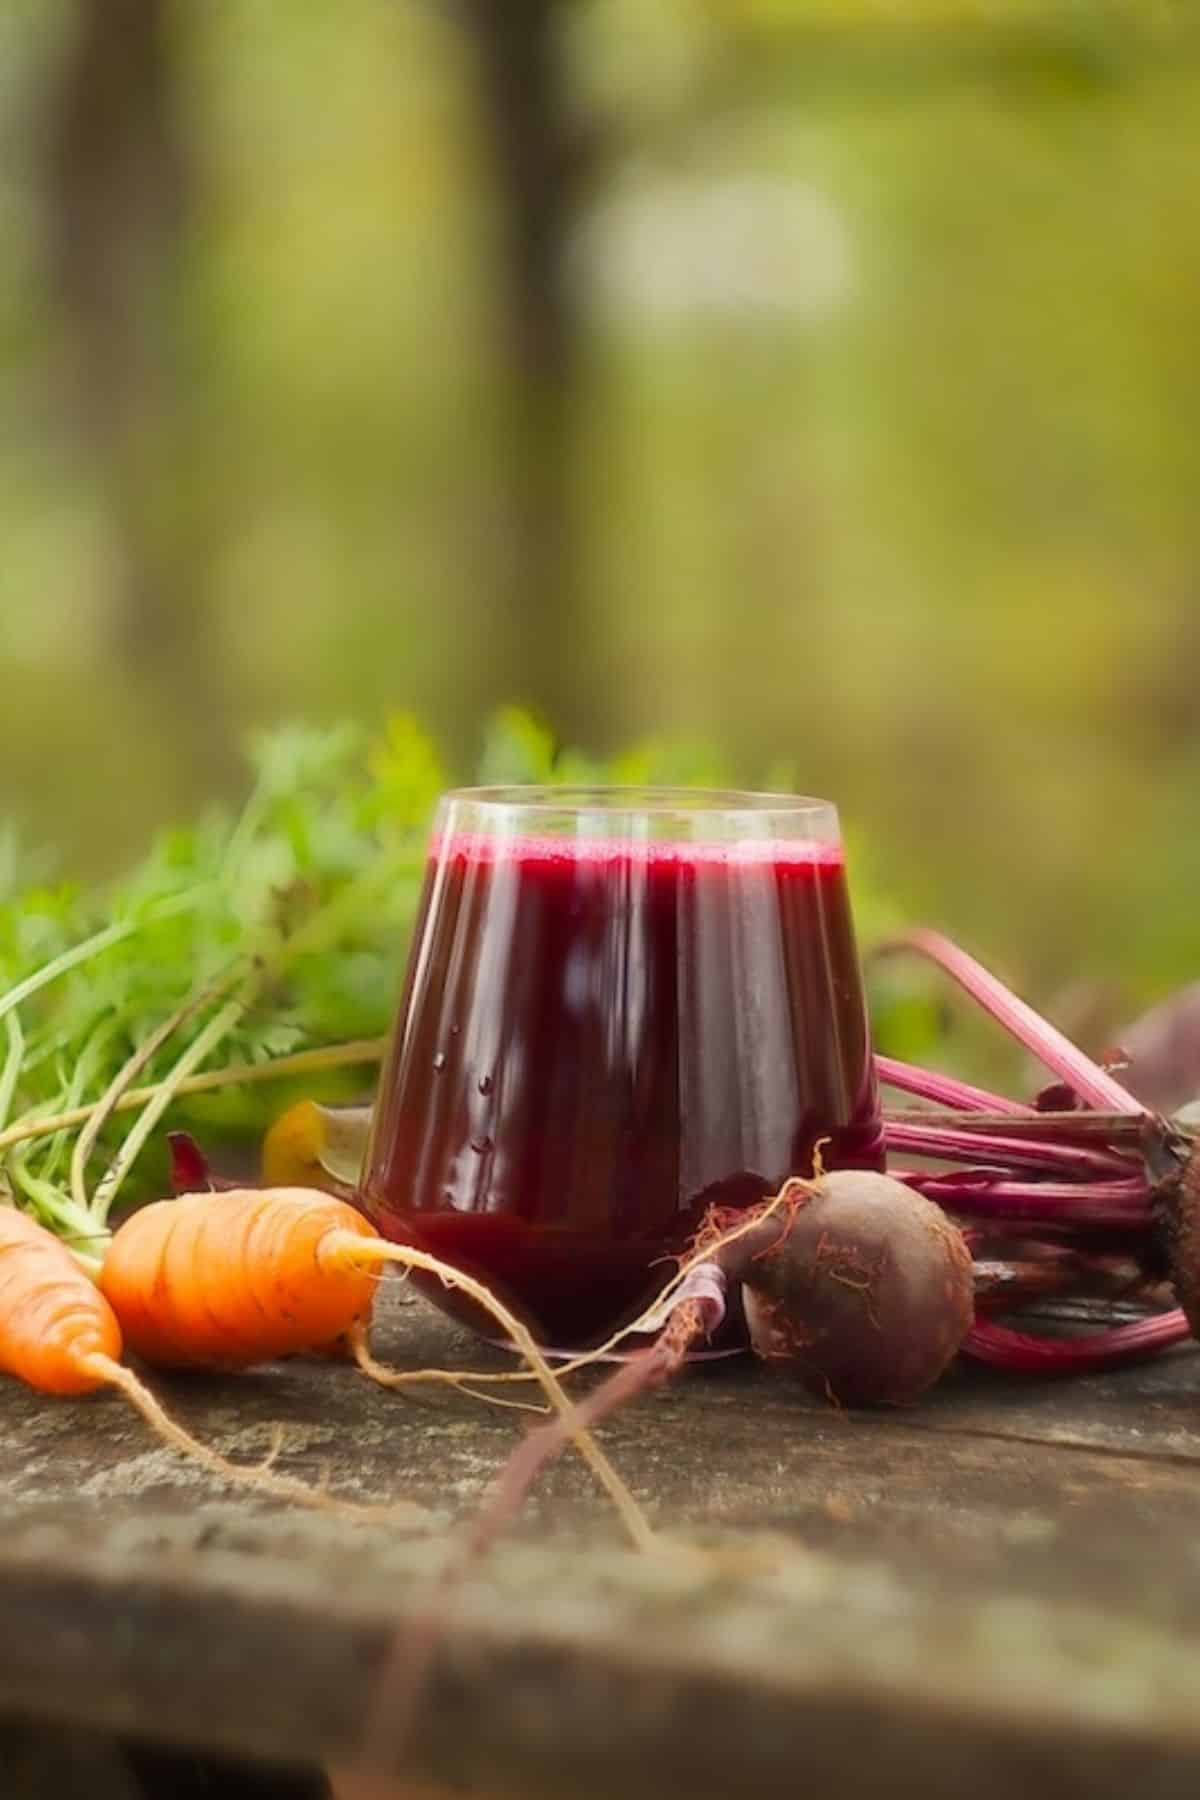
pixel 1020 1353
pixel 985 1194
pixel 1043 1040
pixel 1074 1173
pixel 944 1090
pixel 949 1143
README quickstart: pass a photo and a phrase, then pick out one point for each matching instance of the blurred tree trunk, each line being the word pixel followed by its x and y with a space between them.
pixel 541 162
pixel 119 195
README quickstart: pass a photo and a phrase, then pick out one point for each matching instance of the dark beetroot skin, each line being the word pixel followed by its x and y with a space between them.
pixel 867 1293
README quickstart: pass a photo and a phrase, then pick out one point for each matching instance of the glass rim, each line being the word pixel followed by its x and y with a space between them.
pixel 615 798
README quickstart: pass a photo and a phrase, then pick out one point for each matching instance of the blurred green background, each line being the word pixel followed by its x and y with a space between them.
pixel 816 381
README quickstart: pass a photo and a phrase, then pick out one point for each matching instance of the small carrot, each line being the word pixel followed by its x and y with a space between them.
pixel 229 1279
pixel 232 1278
pixel 57 1333
pixel 60 1335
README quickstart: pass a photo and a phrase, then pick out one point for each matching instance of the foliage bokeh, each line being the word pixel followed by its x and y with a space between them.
pixel 878 459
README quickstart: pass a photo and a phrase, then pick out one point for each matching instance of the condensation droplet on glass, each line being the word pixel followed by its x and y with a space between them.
pixel 439 1062
pixel 481 1145
pixel 454 1030
pixel 485 1085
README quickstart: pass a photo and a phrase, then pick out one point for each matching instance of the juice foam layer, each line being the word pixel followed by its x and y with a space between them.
pixel 469 846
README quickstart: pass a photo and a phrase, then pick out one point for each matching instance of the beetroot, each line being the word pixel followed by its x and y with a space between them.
pixel 866 1294
pixel 855 1283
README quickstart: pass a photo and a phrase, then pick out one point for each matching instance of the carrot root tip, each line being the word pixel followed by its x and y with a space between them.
pixel 259 1475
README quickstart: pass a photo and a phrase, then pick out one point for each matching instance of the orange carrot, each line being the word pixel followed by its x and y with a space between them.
pixel 60 1335
pixel 241 1276
pixel 57 1333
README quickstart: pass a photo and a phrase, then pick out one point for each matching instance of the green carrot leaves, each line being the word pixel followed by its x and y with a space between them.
pixel 313 887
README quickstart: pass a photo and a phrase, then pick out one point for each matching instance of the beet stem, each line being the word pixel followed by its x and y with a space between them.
pixel 944 1090
pixel 646 1370
pixel 980 1194
pixel 1005 1283
pixel 1083 1128
pixel 1021 1353
pixel 403 1679
pixel 1040 1038
pixel 952 1144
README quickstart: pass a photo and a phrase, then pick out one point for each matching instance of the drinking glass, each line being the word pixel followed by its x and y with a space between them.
pixel 622 1006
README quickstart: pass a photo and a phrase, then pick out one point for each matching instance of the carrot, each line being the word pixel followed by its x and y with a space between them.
pixel 57 1333
pixel 229 1279
pixel 226 1280
pixel 60 1335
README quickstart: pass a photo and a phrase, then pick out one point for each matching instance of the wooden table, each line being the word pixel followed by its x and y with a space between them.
pixel 996 1591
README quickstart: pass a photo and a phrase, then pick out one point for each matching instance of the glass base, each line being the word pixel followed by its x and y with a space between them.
pixel 553 1356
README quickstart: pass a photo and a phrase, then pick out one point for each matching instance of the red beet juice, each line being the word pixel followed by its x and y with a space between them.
pixel 598 1039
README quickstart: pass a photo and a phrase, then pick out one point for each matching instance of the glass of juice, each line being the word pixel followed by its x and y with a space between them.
pixel 622 1006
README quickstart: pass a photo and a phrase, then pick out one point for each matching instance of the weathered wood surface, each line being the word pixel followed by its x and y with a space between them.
pixel 998 1588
